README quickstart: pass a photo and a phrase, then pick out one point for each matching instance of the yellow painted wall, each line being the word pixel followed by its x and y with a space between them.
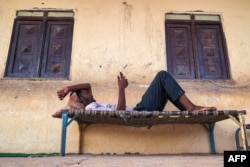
pixel 112 36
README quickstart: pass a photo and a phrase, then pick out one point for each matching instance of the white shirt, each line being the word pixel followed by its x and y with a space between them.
pixel 105 107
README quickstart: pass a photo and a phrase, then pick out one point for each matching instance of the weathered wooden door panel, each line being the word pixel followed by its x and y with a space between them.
pixel 25 49
pixel 56 56
pixel 180 50
pixel 211 56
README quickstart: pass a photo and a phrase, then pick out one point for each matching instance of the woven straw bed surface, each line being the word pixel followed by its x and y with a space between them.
pixel 150 118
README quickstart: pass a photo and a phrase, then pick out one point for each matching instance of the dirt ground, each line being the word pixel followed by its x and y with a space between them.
pixel 206 160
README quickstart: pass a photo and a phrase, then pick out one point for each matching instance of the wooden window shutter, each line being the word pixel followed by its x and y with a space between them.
pixel 41 44
pixel 25 50
pixel 196 47
pixel 211 56
pixel 180 59
pixel 57 50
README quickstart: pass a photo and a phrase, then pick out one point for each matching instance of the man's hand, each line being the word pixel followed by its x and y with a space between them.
pixel 65 90
pixel 62 93
pixel 122 81
pixel 122 84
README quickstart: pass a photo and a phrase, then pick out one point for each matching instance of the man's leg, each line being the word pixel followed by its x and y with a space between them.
pixel 163 88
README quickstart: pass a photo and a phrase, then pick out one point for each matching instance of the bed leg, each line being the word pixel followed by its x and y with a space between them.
pixel 211 136
pixel 210 128
pixel 243 133
pixel 80 138
pixel 64 132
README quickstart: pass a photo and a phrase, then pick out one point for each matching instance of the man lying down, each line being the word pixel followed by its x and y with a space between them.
pixel 162 89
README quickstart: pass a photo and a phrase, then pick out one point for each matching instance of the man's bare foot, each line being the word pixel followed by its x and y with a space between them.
pixel 190 106
pixel 201 108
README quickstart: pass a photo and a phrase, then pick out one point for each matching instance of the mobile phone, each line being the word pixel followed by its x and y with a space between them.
pixel 121 74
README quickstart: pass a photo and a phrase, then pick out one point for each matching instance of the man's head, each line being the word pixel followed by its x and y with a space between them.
pixel 85 96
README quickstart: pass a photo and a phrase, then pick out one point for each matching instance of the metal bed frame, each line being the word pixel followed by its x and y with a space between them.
pixel 84 118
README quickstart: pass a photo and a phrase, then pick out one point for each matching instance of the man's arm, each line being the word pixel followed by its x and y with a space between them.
pixel 122 84
pixel 65 90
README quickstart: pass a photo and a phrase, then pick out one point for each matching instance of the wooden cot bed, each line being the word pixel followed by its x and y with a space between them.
pixel 84 118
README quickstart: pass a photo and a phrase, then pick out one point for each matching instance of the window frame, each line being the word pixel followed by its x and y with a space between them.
pixel 45 19
pixel 194 42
